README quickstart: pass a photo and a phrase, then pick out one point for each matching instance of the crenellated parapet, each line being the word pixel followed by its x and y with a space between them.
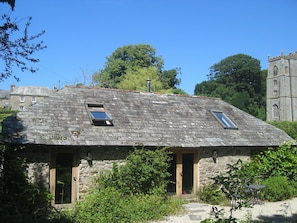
pixel 282 56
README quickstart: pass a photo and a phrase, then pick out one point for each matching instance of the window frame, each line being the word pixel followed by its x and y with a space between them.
pixel 33 99
pixel 22 99
pixel 224 120
pixel 105 120
pixel 275 70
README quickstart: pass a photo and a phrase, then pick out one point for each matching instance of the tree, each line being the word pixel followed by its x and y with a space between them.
pixel 10 2
pixel 237 79
pixel 129 63
pixel 17 47
pixel 136 80
pixel 130 57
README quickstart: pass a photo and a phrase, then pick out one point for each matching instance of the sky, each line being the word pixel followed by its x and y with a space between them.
pixel 191 34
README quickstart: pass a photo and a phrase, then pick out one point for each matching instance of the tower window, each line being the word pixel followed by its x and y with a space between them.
pixel 275 112
pixel 275 70
pixel 275 86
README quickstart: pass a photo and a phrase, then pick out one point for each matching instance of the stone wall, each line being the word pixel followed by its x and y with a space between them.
pixel 37 161
pixel 209 167
pixel 102 160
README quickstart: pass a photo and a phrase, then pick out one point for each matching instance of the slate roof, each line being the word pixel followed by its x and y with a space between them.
pixel 4 94
pixel 32 91
pixel 139 119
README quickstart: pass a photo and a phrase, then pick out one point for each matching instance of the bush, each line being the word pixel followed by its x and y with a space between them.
pixel 277 188
pixel 134 192
pixel 21 201
pixel 211 194
pixel 145 172
pixel 110 205
pixel 280 161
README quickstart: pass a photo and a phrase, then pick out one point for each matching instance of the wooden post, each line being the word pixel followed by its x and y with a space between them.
pixel 195 173
pixel 179 174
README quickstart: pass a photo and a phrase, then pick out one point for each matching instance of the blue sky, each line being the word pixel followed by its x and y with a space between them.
pixel 190 34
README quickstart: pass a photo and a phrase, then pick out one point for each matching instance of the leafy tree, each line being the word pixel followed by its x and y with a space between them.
pixel 130 57
pixel 136 80
pixel 237 79
pixel 17 46
pixel 129 63
pixel 169 78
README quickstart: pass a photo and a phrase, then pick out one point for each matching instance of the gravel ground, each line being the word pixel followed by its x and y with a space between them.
pixel 272 212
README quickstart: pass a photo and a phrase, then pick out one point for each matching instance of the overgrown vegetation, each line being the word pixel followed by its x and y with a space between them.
pixel 233 184
pixel 212 194
pixel 21 201
pixel 273 168
pixel 135 192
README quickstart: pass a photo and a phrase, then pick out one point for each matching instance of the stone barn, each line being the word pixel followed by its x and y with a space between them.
pixel 79 131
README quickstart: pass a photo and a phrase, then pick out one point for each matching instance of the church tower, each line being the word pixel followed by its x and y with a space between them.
pixel 281 104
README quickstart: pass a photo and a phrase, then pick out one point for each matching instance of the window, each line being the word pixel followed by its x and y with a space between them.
pixel 98 115
pixel 21 108
pixel 224 120
pixel 275 71
pixel 22 99
pixel 33 99
pixel 275 112
pixel 275 86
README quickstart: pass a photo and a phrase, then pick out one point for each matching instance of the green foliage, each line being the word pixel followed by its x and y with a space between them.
pixel 21 201
pixel 277 188
pixel 233 184
pixel 136 80
pixel 130 66
pixel 277 162
pixel 145 172
pixel 212 194
pixel 238 80
pixel 133 192
pixel 110 205
pixel 275 168
pixel 289 127
pixel 4 113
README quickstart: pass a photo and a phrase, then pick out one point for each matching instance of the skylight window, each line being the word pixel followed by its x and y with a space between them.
pixel 224 120
pixel 98 115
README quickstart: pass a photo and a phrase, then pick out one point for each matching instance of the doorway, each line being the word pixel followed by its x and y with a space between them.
pixel 63 175
pixel 63 178
pixel 187 173
pixel 182 170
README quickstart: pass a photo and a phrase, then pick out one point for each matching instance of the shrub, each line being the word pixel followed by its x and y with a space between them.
pixel 134 192
pixel 212 194
pixel 145 172
pixel 21 201
pixel 280 161
pixel 277 188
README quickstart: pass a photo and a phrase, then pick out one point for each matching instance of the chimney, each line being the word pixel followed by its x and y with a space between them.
pixel 148 85
pixel 12 87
